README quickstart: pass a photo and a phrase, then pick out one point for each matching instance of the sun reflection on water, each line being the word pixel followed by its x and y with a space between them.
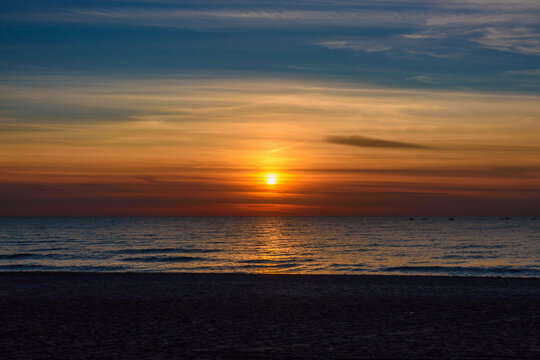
pixel 275 250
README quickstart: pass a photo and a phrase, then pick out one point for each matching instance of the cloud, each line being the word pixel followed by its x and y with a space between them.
pixel 428 53
pixel 227 18
pixel 366 46
pixel 424 78
pixel 502 172
pixel 534 72
pixel 518 40
pixel 515 33
pixel 361 141
pixel 442 31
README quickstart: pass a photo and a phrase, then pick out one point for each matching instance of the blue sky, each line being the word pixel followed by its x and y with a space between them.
pixel 475 45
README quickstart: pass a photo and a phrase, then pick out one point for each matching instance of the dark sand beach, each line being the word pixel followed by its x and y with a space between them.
pixel 235 316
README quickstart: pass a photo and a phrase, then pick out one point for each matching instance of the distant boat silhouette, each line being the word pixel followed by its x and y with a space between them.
pixel 450 218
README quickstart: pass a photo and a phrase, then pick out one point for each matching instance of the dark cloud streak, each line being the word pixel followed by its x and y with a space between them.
pixel 361 141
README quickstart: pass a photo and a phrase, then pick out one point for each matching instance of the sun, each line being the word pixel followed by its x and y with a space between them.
pixel 271 179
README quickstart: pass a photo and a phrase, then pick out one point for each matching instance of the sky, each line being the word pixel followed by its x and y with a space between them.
pixel 131 107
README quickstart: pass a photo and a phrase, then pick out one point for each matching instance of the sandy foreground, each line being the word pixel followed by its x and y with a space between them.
pixel 235 316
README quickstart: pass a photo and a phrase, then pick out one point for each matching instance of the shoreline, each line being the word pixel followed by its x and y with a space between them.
pixel 262 275
pixel 266 316
pixel 284 274
pixel 148 284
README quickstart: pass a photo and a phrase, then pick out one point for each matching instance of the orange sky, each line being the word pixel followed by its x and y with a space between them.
pixel 87 146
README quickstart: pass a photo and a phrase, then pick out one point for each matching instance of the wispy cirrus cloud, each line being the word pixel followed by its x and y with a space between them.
pixel 362 45
pixel 425 79
pixel 437 41
pixel 507 172
pixel 438 28
pixel 534 72
pixel 227 19
pixel 519 40
pixel 514 31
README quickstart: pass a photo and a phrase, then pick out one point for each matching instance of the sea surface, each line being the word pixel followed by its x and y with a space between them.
pixel 479 246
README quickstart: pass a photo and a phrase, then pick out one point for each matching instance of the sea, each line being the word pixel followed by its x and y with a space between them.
pixel 459 246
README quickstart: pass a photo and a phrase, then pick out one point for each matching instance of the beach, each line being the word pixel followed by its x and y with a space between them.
pixel 65 315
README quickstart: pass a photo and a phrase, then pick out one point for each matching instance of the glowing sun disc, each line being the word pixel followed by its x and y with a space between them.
pixel 271 179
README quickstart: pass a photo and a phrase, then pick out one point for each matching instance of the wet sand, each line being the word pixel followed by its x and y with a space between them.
pixel 234 316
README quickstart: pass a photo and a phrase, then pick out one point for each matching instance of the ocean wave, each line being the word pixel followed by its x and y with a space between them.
pixel 40 267
pixel 464 269
pixel 269 266
pixel 460 247
pixel 274 262
pixel 465 256
pixel 22 267
pixel 49 256
pixel 348 269
pixel 164 251
pixel 52 249
pixel 348 265
pixel 17 256
pixel 164 259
